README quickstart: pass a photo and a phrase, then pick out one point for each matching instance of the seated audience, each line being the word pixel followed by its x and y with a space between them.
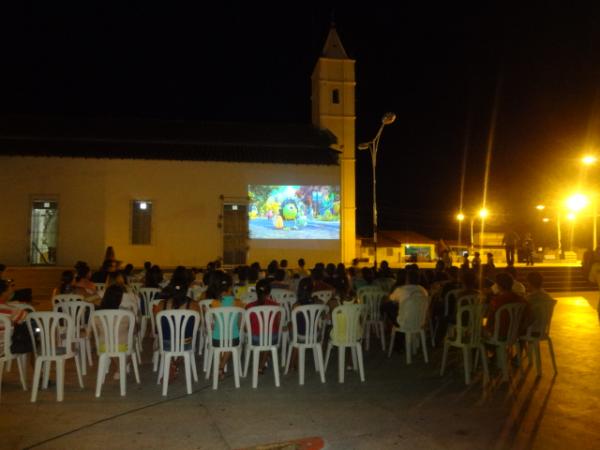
pixel 506 295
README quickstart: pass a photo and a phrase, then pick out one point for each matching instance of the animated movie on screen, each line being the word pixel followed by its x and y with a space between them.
pixel 294 212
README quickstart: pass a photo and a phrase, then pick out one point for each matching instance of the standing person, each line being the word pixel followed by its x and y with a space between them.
pixel 490 261
pixel 510 241
pixel 476 263
pixel 528 246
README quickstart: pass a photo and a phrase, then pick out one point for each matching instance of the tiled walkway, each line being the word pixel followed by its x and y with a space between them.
pixel 397 407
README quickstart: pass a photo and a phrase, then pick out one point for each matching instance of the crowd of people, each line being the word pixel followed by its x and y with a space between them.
pixel 495 288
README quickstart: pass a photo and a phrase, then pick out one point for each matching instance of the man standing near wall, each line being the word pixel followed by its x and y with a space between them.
pixel 510 241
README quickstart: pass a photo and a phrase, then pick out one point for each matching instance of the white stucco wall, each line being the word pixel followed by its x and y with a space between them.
pixel 95 195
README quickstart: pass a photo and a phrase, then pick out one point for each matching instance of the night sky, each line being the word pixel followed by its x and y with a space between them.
pixel 440 70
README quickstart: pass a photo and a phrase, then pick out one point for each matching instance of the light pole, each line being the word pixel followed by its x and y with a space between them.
pixel 373 145
pixel 460 217
pixel 591 160
pixel 483 213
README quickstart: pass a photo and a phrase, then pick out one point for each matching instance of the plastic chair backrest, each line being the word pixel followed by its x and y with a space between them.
pixel 470 299
pixel 385 284
pixel 287 303
pixel 372 299
pixel 182 324
pixel 249 297
pixel 227 319
pixel 512 312
pixel 347 321
pixel 542 313
pixel 136 286
pixel 25 306
pixel 146 296
pixel 196 291
pixel 281 294
pixel 79 311
pixel 450 294
pixel 64 298
pixel 314 316
pixel 46 327
pixel 412 313
pixel 324 296
pixel 107 324
pixel 267 317
pixel 6 337
pixel 469 318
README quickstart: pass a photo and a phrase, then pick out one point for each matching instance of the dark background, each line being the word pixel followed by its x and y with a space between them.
pixel 443 71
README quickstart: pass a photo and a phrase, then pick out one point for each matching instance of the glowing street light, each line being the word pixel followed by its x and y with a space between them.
pixel 460 217
pixel 483 213
pixel 571 216
pixel 545 220
pixel 577 202
pixel 540 207
pixel 589 160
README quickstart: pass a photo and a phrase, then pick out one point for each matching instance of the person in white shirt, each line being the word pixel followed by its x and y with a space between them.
pixel 517 287
pixel 401 293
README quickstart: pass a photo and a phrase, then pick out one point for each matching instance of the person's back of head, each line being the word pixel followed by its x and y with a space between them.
pixel 283 264
pixel 2 269
pixel 504 281
pixel 453 273
pixel 128 270
pixel 113 295
pixel 301 263
pixel 263 289
pixel 243 274
pixel 178 295
pixel 469 279
pixel 66 280
pixel 535 280
pixel 253 275
pixel 305 290
pixel 179 277
pixel 368 275
pixel 83 271
pixel 224 283
pixel 512 271
pixel 279 275
pixel 272 267
pixel 440 266
pixel 330 269
pixel 400 278
pixel 317 274
pixel 412 276
pixel 147 266
pixel 115 278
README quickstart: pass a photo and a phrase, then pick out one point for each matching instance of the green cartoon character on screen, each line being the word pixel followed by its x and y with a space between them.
pixel 291 215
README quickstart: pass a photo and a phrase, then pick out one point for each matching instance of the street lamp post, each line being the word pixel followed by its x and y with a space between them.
pixel 373 145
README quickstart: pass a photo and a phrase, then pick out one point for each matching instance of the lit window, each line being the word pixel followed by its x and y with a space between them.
pixel 141 222
pixel 335 96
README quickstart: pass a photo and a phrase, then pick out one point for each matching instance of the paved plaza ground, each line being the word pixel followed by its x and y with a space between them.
pixel 398 406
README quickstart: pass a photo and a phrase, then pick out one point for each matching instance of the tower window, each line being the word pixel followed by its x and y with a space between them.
pixel 141 222
pixel 335 96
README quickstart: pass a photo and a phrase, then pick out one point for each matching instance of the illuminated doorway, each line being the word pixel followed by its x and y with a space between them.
pixel 235 234
pixel 43 232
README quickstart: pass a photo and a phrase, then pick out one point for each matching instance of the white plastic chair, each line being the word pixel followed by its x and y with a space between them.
pixel 203 332
pixel 512 312
pixel 348 322
pixel 371 297
pixel 65 298
pixel 267 317
pixel 286 303
pixel 324 296
pixel 540 331
pixel 100 288
pixel 44 329
pixel 155 350
pixel 314 319
pixel 80 312
pixel 412 315
pixel 108 327
pixel 226 319
pixel 466 335
pixel 385 284
pixel 146 295
pixel 249 297
pixel 5 353
pixel 136 286
pixel 182 325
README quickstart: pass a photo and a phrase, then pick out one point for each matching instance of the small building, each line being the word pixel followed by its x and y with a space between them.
pixel 397 248
pixel 182 192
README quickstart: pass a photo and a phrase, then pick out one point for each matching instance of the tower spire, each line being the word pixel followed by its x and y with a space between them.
pixel 333 47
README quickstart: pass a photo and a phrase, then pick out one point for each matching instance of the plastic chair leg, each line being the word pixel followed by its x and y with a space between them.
pixel 502 362
pixel 246 364
pixel 367 336
pixel 301 353
pixel 78 369
pixel 100 375
pixel 319 351
pixel 161 369
pixel 255 362
pixel 484 363
pixel 209 357
pixel 551 347
pixel 122 375
pixel 166 363
pixel 327 355
pixel 88 352
pixel 1 373
pixel 391 347
pixel 136 370
pixel 215 368
pixel 47 368
pixel 275 365
pixel 22 366
pixel 382 335
pixel 444 358
pixel 316 360
pixel 37 374
pixel 60 379
pixel 467 363
pixel 194 368
pixel 284 347
pixel 361 363
pixel 237 362
pixel 188 373
pixel 408 347
pixel 538 358
pixel 81 355
pixel 424 344
pixel 289 359
pixel 341 363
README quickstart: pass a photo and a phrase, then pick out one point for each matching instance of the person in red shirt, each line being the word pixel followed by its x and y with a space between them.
pixel 505 296
pixel 263 293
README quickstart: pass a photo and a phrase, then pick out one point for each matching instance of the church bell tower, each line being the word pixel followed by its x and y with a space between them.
pixel 333 86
